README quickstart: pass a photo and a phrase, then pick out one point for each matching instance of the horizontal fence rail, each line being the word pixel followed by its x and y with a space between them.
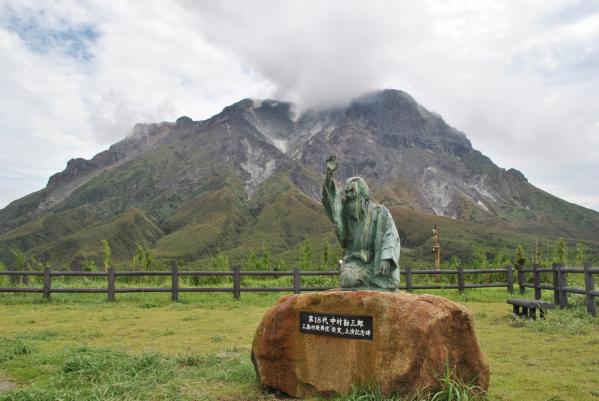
pixel 559 285
pixel 236 274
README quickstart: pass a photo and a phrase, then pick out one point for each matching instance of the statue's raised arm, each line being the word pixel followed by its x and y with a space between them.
pixel 331 199
pixel 366 231
pixel 331 166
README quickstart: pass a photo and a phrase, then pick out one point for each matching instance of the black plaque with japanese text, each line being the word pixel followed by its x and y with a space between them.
pixel 331 324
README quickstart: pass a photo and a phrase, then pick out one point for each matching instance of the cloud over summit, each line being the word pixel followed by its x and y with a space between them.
pixel 316 54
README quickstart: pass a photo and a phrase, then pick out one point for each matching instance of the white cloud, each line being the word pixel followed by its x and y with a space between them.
pixel 518 78
pixel 149 62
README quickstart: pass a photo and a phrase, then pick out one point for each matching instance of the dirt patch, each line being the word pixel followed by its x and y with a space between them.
pixel 6 385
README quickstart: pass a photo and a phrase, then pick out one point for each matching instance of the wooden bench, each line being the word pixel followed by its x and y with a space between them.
pixel 528 307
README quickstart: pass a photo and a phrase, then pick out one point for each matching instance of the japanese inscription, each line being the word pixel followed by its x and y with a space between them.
pixel 328 324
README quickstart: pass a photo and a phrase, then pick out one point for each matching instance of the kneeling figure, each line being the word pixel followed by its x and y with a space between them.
pixel 367 233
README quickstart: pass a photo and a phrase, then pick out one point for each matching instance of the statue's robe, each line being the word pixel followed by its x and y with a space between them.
pixel 368 238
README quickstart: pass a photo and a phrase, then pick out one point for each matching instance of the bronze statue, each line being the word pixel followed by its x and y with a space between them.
pixel 366 231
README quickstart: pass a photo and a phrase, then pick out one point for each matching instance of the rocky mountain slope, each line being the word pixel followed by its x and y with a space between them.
pixel 248 179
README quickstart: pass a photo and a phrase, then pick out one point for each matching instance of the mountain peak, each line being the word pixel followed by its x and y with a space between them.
pixel 262 149
pixel 183 121
pixel 385 95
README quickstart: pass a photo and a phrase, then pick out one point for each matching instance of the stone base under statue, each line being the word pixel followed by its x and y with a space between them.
pixel 323 343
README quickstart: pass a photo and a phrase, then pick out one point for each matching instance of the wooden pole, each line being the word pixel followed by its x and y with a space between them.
pixel 510 279
pixel 563 283
pixel 297 280
pixel 111 284
pixel 175 282
pixel 236 282
pixel 461 279
pixel 556 291
pixel 47 283
pixel 589 285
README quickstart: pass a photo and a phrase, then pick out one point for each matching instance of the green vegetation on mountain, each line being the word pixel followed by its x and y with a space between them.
pixel 122 232
pixel 202 226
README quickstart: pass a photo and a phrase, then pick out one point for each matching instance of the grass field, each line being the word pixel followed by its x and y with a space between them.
pixel 143 347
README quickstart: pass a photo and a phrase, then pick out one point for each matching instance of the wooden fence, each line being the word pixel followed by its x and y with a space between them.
pixel 559 285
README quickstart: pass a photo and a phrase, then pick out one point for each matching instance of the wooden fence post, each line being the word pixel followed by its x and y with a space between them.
pixel 589 285
pixel 297 280
pixel 236 282
pixel 556 291
pixel 47 283
pixel 461 279
pixel 521 278
pixel 563 283
pixel 408 278
pixel 175 282
pixel 111 284
pixel 563 296
pixel 536 280
pixel 510 279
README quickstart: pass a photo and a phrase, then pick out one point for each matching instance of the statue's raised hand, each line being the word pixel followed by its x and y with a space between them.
pixel 331 164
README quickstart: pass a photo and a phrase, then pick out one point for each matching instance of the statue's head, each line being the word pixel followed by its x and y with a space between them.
pixel 356 202
pixel 356 188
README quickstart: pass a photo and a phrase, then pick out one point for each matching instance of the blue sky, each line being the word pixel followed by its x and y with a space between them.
pixel 519 78
pixel 73 41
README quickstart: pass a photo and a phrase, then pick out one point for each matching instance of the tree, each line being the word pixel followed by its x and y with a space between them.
pixel 281 265
pixel 325 255
pixel 545 255
pixel 479 257
pixel 520 259
pixel 106 254
pixel 454 263
pixel 305 252
pixel 251 262
pixel 20 265
pixel 89 265
pixel 221 262
pixel 500 260
pixel 561 253
pixel 579 259
pixel 34 265
pixel 143 260
pixel 20 259
pixel 265 259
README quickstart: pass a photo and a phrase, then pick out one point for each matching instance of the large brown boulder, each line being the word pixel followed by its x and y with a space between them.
pixel 414 339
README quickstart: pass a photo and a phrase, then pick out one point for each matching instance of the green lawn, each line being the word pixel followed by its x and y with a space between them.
pixel 143 347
